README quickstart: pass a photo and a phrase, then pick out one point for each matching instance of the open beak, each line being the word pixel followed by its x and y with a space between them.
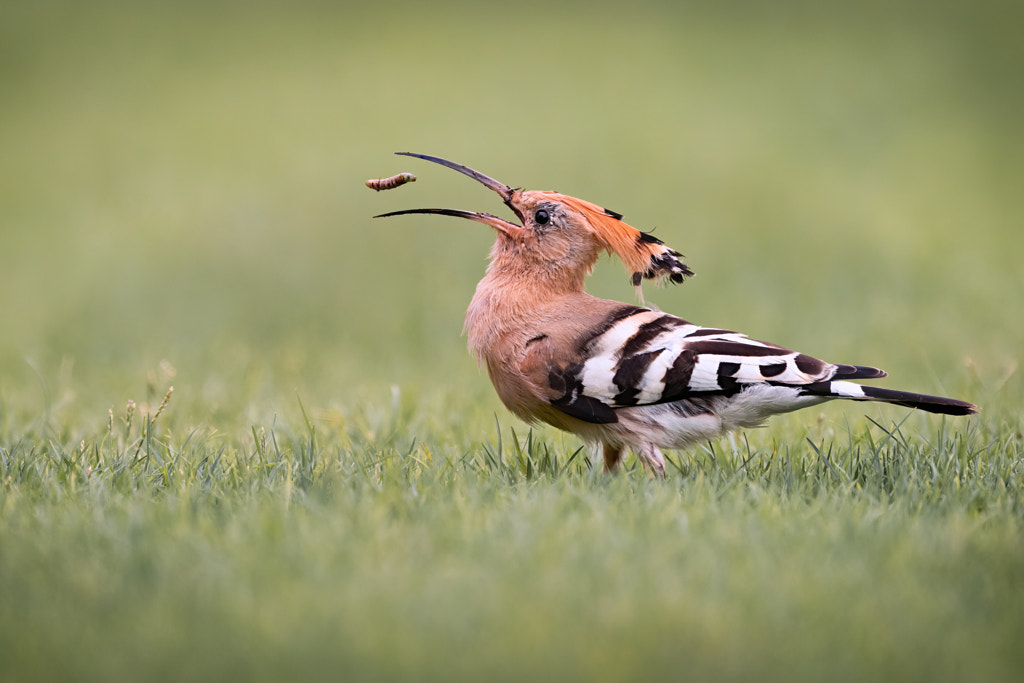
pixel 502 189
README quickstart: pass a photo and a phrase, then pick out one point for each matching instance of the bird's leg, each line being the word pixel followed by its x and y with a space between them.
pixel 612 455
pixel 651 456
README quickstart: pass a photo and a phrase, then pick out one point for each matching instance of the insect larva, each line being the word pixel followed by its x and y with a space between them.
pixel 390 183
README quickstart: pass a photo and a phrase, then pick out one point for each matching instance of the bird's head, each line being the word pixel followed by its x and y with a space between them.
pixel 564 233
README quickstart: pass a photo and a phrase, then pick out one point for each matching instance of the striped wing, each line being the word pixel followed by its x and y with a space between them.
pixel 641 357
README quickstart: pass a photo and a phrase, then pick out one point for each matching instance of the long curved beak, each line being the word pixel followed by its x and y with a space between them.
pixel 485 218
pixel 502 189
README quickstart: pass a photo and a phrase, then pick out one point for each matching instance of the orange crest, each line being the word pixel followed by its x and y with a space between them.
pixel 645 256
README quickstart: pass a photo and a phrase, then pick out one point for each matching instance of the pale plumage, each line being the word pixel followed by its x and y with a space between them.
pixel 621 375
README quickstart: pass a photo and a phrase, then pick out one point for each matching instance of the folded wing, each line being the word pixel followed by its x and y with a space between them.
pixel 641 357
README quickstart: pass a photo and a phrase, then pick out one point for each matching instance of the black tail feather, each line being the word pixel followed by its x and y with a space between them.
pixel 858 392
pixel 931 404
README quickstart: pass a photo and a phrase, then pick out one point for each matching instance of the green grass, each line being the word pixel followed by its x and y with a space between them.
pixel 309 554
pixel 333 490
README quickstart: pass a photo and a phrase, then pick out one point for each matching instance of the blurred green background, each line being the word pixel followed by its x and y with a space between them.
pixel 182 202
pixel 184 182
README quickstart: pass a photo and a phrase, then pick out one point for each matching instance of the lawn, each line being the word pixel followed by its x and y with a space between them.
pixel 332 490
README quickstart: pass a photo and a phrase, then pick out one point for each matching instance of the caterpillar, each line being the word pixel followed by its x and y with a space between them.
pixel 391 183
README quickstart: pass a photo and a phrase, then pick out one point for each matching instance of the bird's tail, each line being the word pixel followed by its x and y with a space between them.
pixel 857 392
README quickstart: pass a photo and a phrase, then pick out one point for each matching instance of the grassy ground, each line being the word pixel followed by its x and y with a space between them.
pixel 332 490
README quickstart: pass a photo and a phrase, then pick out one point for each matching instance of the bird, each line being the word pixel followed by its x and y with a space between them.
pixel 622 376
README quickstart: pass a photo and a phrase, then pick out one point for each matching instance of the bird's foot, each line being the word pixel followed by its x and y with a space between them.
pixel 652 458
pixel 612 455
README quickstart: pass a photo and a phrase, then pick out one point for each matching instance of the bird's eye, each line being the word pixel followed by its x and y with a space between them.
pixel 541 216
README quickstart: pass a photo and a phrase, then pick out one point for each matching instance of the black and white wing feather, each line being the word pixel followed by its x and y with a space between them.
pixel 640 357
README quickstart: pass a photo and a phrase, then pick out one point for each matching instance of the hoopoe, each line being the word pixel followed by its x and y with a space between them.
pixel 619 375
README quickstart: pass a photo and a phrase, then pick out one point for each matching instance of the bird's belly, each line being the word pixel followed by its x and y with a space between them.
pixel 668 425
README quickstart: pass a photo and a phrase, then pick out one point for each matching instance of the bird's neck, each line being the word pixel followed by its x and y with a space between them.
pixel 512 297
